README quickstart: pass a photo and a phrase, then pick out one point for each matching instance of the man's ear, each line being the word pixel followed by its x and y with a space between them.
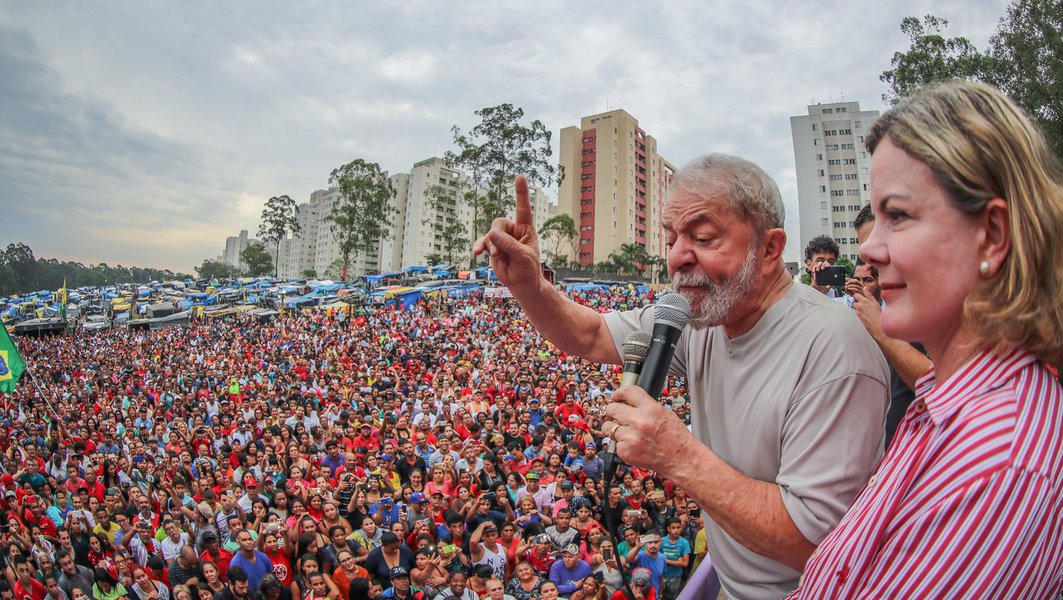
pixel 772 245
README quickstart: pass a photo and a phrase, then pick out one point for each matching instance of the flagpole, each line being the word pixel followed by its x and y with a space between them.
pixel 40 390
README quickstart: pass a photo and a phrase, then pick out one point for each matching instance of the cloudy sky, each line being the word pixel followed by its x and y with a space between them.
pixel 144 133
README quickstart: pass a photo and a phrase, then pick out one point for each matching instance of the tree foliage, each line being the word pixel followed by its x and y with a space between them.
pixel 216 269
pixel 1027 62
pixel 495 151
pixel 363 213
pixel 278 220
pixel 931 57
pixel 21 271
pixel 257 260
pixel 1024 59
pixel 557 230
pixel 450 232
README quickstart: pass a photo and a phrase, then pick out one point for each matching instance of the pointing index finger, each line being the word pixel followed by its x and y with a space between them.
pixel 524 211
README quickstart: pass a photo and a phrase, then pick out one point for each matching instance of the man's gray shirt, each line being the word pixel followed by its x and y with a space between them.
pixel 799 400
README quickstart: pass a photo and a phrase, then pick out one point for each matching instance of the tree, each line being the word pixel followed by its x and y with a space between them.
pixel 558 229
pixel 450 232
pixel 278 219
pixel 1024 59
pixel 309 274
pixel 1027 62
pixel 257 260
pixel 496 151
pixel 930 58
pixel 363 213
pixel 215 269
pixel 434 258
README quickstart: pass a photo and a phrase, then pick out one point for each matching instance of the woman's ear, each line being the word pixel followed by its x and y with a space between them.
pixel 996 246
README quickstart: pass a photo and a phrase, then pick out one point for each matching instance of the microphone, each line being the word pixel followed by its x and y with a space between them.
pixel 636 346
pixel 670 316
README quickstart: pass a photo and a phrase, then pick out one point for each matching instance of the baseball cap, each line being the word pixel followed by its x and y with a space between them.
pixel 567 485
pixel 209 535
pixel 7 479
pixel 641 576
pixel 531 476
pixel 250 481
pixel 417 498
pixel 397 572
pixel 570 549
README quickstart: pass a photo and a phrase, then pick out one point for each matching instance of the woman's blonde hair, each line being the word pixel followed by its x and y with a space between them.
pixel 980 145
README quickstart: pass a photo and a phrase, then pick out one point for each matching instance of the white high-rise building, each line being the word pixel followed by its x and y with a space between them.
pixel 416 231
pixel 426 217
pixel 832 171
pixel 234 246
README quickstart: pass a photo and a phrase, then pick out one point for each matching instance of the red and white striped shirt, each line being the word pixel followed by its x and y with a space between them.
pixel 968 502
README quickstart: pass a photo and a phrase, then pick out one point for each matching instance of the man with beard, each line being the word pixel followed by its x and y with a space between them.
pixel 788 392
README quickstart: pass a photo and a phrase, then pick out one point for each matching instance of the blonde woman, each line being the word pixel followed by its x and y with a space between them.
pixel 968 242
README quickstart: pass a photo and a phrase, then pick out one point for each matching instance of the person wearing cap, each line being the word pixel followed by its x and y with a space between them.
pixel 544 497
pixel 250 494
pixel 593 465
pixel 569 572
pixel 213 552
pixel 400 588
pixel 566 491
pixel 639 588
pixel 484 548
pixel 416 510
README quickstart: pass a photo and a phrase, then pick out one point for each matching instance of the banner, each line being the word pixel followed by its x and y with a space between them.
pixel 497 292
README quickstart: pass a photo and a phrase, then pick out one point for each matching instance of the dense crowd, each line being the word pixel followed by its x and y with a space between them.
pixel 444 451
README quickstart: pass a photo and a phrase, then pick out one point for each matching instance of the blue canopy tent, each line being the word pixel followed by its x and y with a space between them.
pixel 586 287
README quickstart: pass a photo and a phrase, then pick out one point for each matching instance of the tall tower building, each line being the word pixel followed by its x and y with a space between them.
pixel 832 171
pixel 614 186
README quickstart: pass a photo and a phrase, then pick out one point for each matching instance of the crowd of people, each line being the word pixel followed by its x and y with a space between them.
pixel 444 451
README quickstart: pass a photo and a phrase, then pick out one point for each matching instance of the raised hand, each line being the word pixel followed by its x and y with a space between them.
pixel 513 245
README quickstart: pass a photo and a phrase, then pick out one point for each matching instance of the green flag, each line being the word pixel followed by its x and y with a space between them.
pixel 11 365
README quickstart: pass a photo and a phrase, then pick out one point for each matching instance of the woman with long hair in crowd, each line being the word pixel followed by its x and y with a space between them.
pixel 144 587
pixel 967 200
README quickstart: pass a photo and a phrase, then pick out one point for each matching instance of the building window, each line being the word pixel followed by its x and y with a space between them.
pixel 822 189
pixel 821 172
pixel 815 142
pixel 819 157
pixel 815 127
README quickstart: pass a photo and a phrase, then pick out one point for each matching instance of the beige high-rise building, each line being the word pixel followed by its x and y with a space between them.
pixel 614 186
pixel 832 171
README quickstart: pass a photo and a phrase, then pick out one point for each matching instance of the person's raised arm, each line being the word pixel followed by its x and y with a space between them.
pixel 514 250
pixel 910 363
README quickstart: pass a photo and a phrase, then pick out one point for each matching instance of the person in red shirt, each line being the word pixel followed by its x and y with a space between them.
pixel 26 587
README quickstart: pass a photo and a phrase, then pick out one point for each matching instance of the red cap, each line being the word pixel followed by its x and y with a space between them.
pixel 250 480
pixel 7 479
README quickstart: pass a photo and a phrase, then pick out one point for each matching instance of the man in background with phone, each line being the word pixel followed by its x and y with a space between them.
pixel 821 254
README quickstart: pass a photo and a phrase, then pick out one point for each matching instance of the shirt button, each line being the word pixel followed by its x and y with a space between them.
pixel 873 480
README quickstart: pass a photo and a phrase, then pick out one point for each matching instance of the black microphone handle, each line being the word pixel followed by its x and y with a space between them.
pixel 632 369
pixel 659 359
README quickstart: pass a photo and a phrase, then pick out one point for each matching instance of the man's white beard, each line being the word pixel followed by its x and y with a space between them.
pixel 712 305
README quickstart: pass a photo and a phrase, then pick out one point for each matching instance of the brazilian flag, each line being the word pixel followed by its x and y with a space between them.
pixel 11 365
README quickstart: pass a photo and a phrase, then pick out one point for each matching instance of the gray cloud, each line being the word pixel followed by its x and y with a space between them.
pixel 146 133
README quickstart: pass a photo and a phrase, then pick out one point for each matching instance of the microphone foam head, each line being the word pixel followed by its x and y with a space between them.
pixel 637 346
pixel 672 309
